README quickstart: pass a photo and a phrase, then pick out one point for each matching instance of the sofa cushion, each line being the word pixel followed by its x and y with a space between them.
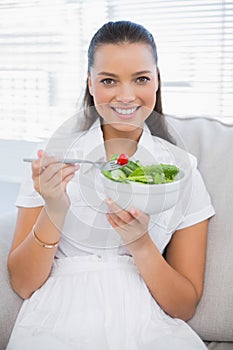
pixel 10 302
pixel 211 142
pixel 220 346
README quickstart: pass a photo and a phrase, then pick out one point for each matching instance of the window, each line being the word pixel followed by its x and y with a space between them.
pixel 43 48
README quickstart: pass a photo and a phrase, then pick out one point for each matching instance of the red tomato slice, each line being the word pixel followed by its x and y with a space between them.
pixel 122 159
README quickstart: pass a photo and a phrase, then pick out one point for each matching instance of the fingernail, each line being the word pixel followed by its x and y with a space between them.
pixel 40 153
pixel 133 211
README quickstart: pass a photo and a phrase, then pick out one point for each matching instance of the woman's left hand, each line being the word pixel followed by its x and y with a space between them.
pixel 132 225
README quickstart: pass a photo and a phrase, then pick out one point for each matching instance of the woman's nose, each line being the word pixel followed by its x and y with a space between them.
pixel 125 94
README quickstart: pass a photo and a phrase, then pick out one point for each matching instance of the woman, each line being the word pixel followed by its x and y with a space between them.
pixel 95 276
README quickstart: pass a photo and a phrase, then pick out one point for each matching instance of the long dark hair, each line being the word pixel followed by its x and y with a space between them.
pixel 129 32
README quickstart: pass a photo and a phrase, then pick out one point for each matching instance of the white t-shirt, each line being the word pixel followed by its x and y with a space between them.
pixel 86 229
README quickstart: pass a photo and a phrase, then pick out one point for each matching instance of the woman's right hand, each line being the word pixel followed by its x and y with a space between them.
pixel 50 179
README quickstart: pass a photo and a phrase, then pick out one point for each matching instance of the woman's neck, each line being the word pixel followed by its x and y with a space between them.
pixel 120 142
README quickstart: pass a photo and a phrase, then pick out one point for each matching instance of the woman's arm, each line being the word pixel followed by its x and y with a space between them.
pixel 29 263
pixel 176 281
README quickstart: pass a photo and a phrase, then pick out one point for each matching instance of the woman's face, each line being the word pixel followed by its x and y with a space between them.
pixel 123 82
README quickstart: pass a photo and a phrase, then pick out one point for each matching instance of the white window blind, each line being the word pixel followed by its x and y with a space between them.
pixel 195 47
pixel 42 62
pixel 43 48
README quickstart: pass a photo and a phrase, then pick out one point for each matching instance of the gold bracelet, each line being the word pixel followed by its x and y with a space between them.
pixel 43 244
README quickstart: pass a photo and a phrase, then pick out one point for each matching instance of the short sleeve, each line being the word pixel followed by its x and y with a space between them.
pixel 28 197
pixel 199 206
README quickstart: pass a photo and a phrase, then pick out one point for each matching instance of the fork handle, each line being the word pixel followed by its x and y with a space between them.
pixel 67 161
pixel 73 161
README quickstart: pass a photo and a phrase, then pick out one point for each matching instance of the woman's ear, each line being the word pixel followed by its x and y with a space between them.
pixel 89 84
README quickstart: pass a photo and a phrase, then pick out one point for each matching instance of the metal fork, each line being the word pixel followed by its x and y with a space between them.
pixel 110 165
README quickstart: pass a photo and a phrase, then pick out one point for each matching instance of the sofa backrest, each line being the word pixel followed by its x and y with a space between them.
pixel 212 143
pixel 12 170
pixel 10 302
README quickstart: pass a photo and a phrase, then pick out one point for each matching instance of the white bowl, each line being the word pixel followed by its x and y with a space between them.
pixel 150 199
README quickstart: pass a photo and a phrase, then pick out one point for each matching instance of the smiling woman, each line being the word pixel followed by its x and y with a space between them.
pixel 85 264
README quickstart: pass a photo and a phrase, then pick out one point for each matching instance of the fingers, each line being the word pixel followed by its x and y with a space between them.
pixel 120 216
pixel 132 224
pixel 57 172
pixel 48 170
pixel 43 161
pixel 139 215
pixel 117 213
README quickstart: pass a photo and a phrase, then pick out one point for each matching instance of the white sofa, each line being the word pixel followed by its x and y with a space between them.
pixel 211 142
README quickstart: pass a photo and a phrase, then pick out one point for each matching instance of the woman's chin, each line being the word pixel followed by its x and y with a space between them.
pixel 129 124
pixel 126 126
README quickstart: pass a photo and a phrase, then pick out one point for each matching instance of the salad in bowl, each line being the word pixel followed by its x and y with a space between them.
pixel 150 188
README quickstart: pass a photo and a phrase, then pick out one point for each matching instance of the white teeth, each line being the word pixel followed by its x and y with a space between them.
pixel 125 111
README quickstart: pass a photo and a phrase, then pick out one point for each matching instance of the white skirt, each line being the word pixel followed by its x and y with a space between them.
pixel 97 303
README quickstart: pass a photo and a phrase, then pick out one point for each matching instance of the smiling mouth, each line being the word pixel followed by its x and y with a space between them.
pixel 125 111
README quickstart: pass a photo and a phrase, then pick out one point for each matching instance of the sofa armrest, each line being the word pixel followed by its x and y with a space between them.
pixel 10 302
pixel 211 142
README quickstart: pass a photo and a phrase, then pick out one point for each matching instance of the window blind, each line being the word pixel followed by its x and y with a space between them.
pixel 43 48
pixel 42 62
pixel 195 48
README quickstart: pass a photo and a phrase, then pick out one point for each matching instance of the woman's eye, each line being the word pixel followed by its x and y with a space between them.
pixel 107 81
pixel 142 80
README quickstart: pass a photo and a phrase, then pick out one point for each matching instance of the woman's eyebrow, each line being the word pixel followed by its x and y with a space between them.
pixel 142 72
pixel 134 74
pixel 109 74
